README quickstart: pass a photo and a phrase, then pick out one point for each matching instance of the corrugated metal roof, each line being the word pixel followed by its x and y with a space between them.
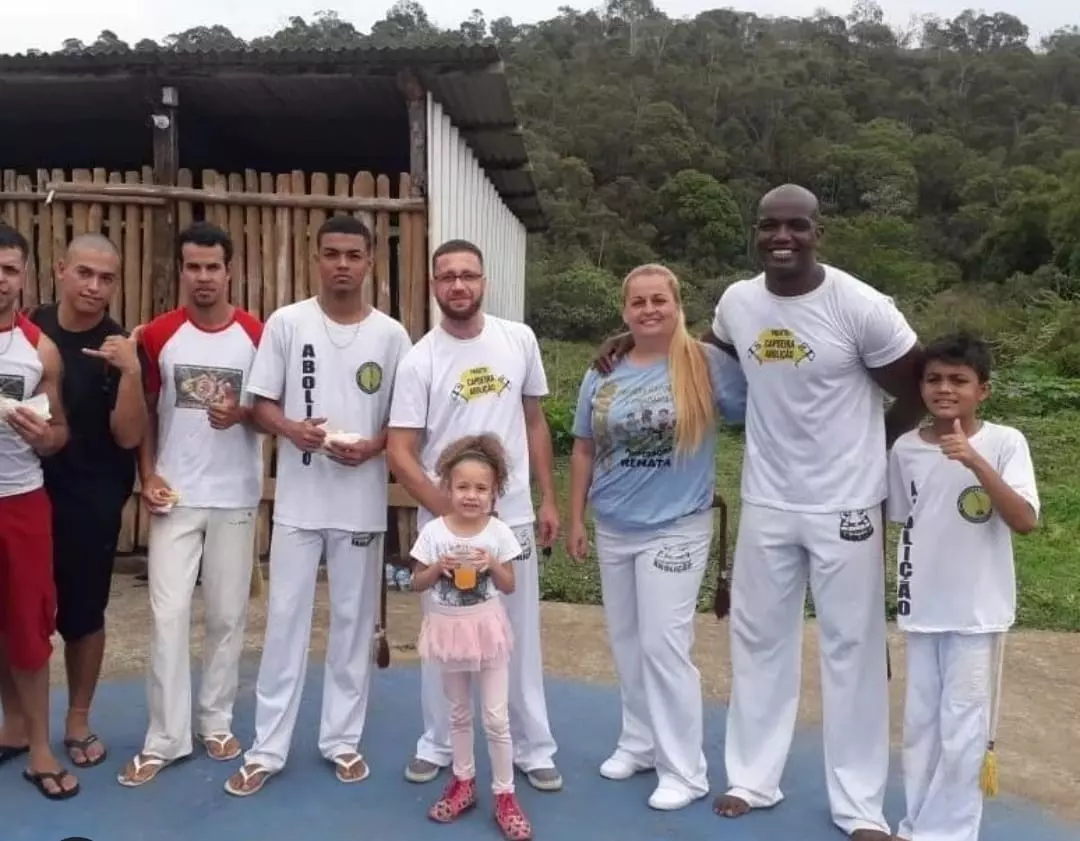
pixel 448 57
pixel 467 79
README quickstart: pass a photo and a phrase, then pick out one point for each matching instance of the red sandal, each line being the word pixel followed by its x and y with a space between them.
pixel 511 820
pixel 457 798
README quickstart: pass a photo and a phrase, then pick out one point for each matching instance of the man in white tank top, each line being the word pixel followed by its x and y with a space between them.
pixel 322 382
pixel 820 349
pixel 32 426
pixel 474 374
pixel 202 445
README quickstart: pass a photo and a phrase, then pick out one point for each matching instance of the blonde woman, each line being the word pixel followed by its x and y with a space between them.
pixel 644 457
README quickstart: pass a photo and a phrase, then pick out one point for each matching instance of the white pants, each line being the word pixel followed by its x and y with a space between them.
pixel 775 553
pixel 946 727
pixel 530 732
pixel 650 583
pixel 224 540
pixel 354 564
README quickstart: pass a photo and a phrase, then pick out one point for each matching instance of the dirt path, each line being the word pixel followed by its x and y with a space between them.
pixel 1038 739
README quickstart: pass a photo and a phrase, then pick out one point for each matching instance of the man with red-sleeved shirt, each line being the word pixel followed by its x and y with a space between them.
pixel 30 367
pixel 200 466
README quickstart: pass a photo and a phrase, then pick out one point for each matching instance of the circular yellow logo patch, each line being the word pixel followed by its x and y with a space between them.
pixel 369 377
pixel 974 504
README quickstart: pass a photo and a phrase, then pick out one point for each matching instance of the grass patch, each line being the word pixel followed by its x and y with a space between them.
pixel 1048 571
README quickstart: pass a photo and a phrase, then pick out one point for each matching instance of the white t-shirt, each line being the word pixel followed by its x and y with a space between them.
pixel 341 372
pixel 436 540
pixel 189 369
pixel 955 556
pixel 815 419
pixel 452 387
pixel 21 370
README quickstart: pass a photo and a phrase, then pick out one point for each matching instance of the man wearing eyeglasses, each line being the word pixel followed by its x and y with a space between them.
pixel 476 373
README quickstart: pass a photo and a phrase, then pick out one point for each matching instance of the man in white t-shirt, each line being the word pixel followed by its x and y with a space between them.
pixel 475 373
pixel 819 349
pixel 322 383
pixel 200 467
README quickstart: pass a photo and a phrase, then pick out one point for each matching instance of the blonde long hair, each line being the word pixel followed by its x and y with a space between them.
pixel 688 369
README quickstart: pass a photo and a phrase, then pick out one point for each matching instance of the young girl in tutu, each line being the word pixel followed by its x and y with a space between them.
pixel 463 561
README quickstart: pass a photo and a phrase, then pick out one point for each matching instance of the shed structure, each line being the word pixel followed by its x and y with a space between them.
pixel 421 143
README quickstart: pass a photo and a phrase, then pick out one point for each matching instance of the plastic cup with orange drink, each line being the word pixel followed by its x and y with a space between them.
pixel 465 571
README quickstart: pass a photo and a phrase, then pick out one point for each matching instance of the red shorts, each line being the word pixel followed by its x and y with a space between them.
pixel 27 591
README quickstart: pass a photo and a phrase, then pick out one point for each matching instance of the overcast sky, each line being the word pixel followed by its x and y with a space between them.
pixel 43 24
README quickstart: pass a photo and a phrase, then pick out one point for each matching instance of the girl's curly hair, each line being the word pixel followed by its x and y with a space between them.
pixel 483 448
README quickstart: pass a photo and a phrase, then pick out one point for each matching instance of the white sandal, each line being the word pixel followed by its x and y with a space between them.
pixel 221 740
pixel 141 761
pixel 246 777
pixel 345 765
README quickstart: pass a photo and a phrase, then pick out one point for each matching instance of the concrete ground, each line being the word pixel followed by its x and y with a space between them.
pixel 1038 744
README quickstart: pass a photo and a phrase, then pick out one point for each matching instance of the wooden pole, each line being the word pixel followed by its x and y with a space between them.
pixel 164 193
pixel 49 196
pixel 166 168
pixel 416 102
pixel 412 269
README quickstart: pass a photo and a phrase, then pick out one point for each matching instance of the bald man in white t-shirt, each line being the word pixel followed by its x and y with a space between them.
pixel 820 350
pixel 474 373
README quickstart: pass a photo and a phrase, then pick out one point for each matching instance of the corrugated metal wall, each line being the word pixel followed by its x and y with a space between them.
pixel 463 204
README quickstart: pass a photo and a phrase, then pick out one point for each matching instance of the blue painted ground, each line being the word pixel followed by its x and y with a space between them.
pixel 187 802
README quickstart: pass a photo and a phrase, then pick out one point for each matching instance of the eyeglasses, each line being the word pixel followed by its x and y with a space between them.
pixel 464 277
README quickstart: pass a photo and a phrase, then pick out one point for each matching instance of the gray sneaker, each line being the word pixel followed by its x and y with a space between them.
pixel 545 779
pixel 421 771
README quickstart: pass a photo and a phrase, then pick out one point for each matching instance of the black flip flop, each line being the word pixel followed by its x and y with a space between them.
pixel 9 752
pixel 83 745
pixel 38 778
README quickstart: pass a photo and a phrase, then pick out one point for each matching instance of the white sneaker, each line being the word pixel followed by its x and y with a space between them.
pixel 618 767
pixel 669 799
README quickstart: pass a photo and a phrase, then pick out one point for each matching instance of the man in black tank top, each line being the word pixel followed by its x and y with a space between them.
pixel 91 479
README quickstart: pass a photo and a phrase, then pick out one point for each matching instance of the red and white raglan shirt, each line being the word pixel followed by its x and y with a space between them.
pixel 190 368
pixel 21 370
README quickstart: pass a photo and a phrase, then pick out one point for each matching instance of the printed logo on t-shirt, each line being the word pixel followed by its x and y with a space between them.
pixel 855 526
pixel 673 559
pixel 778 344
pixel 199 386
pixel 974 504
pixel 605 446
pixel 476 382
pixel 524 537
pixel 369 377
pixel 12 386
pixel 905 567
pixel 650 437
pixel 647 432
pixel 308 383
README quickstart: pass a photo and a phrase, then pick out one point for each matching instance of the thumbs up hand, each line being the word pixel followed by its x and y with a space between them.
pixel 957 446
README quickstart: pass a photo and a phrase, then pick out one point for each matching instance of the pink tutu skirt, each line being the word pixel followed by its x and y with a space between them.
pixel 466 638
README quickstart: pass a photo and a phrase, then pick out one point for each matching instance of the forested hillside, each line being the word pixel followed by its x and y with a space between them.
pixel 946 155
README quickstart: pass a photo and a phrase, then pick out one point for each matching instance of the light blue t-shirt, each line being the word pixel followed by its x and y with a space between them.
pixel 638 479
